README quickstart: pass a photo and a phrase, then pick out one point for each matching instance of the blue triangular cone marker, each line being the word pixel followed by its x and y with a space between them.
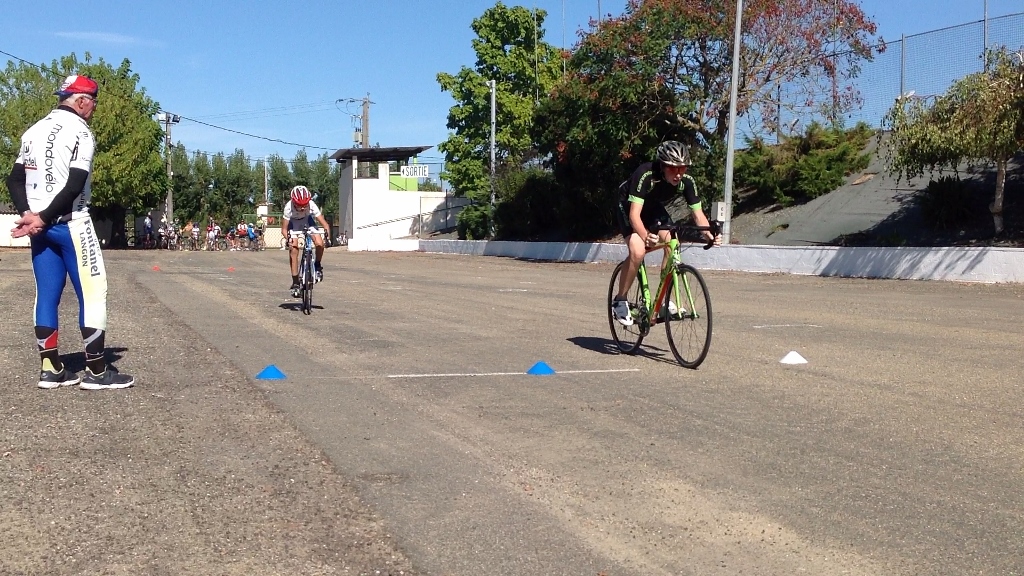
pixel 270 373
pixel 541 369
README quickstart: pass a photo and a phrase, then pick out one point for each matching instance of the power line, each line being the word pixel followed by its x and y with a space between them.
pixel 268 139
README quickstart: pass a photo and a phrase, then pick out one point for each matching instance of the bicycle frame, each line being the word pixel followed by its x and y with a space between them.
pixel 670 277
pixel 654 304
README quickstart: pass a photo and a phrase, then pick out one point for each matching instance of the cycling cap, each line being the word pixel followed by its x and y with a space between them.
pixel 77 85
pixel 674 153
pixel 301 195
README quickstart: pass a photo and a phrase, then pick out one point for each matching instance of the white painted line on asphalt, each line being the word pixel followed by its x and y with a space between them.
pixel 473 374
pixel 512 290
pixel 787 326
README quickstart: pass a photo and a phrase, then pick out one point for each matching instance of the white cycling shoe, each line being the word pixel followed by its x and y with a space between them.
pixel 621 313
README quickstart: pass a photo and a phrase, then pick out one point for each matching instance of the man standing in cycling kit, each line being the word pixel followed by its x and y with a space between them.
pixel 299 212
pixel 642 201
pixel 50 185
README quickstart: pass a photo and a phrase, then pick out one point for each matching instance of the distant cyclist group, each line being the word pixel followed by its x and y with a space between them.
pixel 245 235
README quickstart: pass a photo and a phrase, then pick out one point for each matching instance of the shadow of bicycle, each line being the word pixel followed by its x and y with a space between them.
pixel 602 345
pixel 607 346
pixel 296 306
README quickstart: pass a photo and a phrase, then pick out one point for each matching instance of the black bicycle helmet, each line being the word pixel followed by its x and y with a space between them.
pixel 672 153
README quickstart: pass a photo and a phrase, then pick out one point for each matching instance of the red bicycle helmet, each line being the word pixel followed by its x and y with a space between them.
pixel 301 195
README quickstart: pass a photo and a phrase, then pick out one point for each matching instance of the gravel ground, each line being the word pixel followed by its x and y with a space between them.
pixel 190 472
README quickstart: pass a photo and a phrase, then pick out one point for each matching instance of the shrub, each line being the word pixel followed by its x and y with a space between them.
pixel 804 167
pixel 945 203
pixel 528 202
pixel 472 222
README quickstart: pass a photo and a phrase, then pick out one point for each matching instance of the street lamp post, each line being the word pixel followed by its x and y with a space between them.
pixel 492 85
pixel 731 143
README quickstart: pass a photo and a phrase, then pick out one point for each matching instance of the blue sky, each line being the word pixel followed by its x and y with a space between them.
pixel 276 68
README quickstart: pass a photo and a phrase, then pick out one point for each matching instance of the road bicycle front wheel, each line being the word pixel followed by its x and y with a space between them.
pixel 307 283
pixel 689 329
pixel 627 338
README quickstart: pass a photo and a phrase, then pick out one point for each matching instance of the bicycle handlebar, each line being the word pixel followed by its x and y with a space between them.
pixel 306 230
pixel 714 226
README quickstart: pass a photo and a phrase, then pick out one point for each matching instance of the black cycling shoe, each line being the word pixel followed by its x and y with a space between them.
pixel 50 380
pixel 109 379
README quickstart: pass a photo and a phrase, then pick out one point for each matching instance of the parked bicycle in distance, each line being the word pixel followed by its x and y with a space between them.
pixel 682 302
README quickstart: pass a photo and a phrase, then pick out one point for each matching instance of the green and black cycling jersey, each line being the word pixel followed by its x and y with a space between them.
pixel 648 188
pixel 647 185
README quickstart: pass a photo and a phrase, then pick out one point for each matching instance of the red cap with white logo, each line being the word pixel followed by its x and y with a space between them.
pixel 77 85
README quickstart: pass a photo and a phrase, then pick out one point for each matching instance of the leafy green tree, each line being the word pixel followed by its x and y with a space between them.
pixel 510 50
pixel 980 119
pixel 241 187
pixel 324 177
pixel 281 182
pixel 204 183
pixel 188 192
pixel 25 97
pixel 129 172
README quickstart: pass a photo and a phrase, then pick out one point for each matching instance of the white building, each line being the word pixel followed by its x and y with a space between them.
pixel 389 205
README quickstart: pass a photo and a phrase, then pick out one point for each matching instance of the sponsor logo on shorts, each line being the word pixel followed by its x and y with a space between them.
pixel 90 250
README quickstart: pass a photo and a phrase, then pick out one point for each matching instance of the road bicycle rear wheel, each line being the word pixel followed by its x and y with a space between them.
pixel 689 329
pixel 627 338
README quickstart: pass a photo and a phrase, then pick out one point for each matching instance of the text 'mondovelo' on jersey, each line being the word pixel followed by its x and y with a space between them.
pixel 49 150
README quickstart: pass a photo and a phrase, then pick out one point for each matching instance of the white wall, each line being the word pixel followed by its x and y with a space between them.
pixel 967 264
pixel 378 213
pixel 6 224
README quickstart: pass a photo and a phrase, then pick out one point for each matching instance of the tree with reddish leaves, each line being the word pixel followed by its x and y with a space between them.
pixel 807 49
pixel 663 70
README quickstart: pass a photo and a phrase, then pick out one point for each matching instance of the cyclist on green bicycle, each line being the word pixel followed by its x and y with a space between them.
pixel 299 212
pixel 642 201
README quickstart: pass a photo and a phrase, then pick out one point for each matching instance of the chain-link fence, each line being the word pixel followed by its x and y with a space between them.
pixel 929 63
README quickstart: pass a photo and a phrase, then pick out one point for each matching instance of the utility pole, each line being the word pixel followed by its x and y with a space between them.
pixel 168 120
pixel 492 84
pixel 366 121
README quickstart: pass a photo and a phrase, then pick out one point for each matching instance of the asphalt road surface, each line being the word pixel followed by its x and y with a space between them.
pixel 407 437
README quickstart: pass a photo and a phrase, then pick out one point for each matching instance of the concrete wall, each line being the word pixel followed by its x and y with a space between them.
pixel 987 265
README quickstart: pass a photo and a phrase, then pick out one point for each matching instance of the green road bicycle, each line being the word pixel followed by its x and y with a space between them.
pixel 682 302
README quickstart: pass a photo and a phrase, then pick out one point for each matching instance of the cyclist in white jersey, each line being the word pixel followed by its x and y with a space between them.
pixel 299 212
pixel 50 186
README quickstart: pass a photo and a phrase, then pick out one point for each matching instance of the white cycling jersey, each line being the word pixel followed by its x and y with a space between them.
pixel 49 150
pixel 299 215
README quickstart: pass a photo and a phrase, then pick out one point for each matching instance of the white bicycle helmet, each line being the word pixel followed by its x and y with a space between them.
pixel 672 153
